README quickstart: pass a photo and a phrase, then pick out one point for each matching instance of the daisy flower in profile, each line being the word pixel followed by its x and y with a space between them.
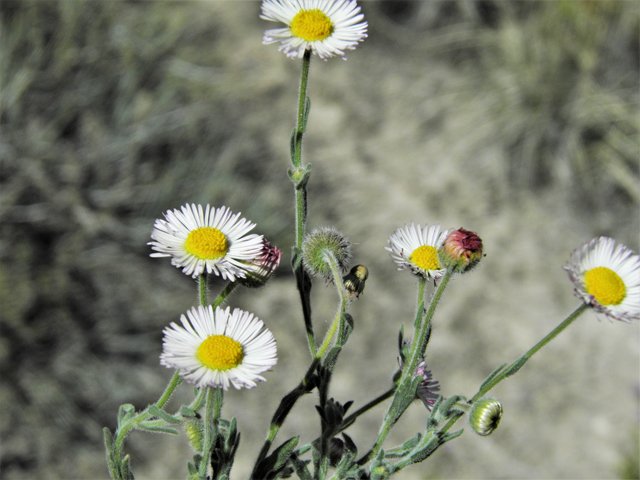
pixel 215 349
pixel 209 239
pixel 327 27
pixel 607 277
pixel 417 248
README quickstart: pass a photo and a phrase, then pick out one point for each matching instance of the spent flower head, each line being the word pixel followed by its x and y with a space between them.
pixel 326 27
pixel 206 239
pixel 461 251
pixel 417 248
pixel 607 277
pixel 219 348
pixel 428 387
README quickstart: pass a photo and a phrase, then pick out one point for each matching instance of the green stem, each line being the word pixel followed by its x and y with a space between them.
pixel 286 404
pixel 202 289
pixel 417 353
pixel 132 423
pixel 337 324
pixel 212 414
pixel 348 421
pixel 302 113
pixel 299 177
pixel 517 365
pixel 230 287
pixel 398 405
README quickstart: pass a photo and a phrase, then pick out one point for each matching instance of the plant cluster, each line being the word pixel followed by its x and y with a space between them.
pixel 214 348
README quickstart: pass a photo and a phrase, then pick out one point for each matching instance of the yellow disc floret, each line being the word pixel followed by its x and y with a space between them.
pixel 220 352
pixel 311 25
pixel 605 285
pixel 206 243
pixel 426 257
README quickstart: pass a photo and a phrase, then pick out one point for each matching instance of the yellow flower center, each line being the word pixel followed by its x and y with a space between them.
pixel 206 243
pixel 426 257
pixel 220 352
pixel 311 25
pixel 605 285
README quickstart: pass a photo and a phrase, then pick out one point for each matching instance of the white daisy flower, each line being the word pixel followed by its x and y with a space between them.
pixel 208 239
pixel 327 27
pixel 215 349
pixel 607 277
pixel 417 248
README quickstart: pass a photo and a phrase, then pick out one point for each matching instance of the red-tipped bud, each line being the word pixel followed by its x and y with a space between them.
pixel 461 251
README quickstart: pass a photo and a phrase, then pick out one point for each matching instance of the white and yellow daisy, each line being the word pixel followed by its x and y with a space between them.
pixel 417 248
pixel 607 277
pixel 209 239
pixel 215 349
pixel 327 27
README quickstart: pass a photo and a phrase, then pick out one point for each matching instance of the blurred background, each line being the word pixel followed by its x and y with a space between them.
pixel 518 120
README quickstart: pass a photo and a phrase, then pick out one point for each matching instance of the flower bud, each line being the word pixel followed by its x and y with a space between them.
pixel 461 251
pixel 485 416
pixel 315 247
pixel 260 269
pixel 195 433
pixel 354 280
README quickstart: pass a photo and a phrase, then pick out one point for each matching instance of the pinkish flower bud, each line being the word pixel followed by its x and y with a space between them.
pixel 461 251
pixel 262 267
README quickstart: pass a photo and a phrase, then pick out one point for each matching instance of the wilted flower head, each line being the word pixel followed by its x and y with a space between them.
pixel 428 387
pixel 461 251
pixel 260 269
pixel 607 277
pixel 326 27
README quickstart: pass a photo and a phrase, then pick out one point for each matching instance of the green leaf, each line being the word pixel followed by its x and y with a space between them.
pixel 271 466
pixel 305 113
pixel 292 146
pixel 157 412
pixel 187 412
pixel 149 427
pixel 300 467
pixel 108 439
pixel 125 468
pixel 492 375
pixel 517 365
pixel 125 412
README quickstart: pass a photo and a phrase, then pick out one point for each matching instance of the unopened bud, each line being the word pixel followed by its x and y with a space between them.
pixel 318 244
pixel 485 416
pixel 260 269
pixel 195 433
pixel 461 251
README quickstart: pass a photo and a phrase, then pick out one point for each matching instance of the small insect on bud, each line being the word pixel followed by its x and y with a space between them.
pixel 461 251
pixel 485 416
pixel 320 243
pixel 354 280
